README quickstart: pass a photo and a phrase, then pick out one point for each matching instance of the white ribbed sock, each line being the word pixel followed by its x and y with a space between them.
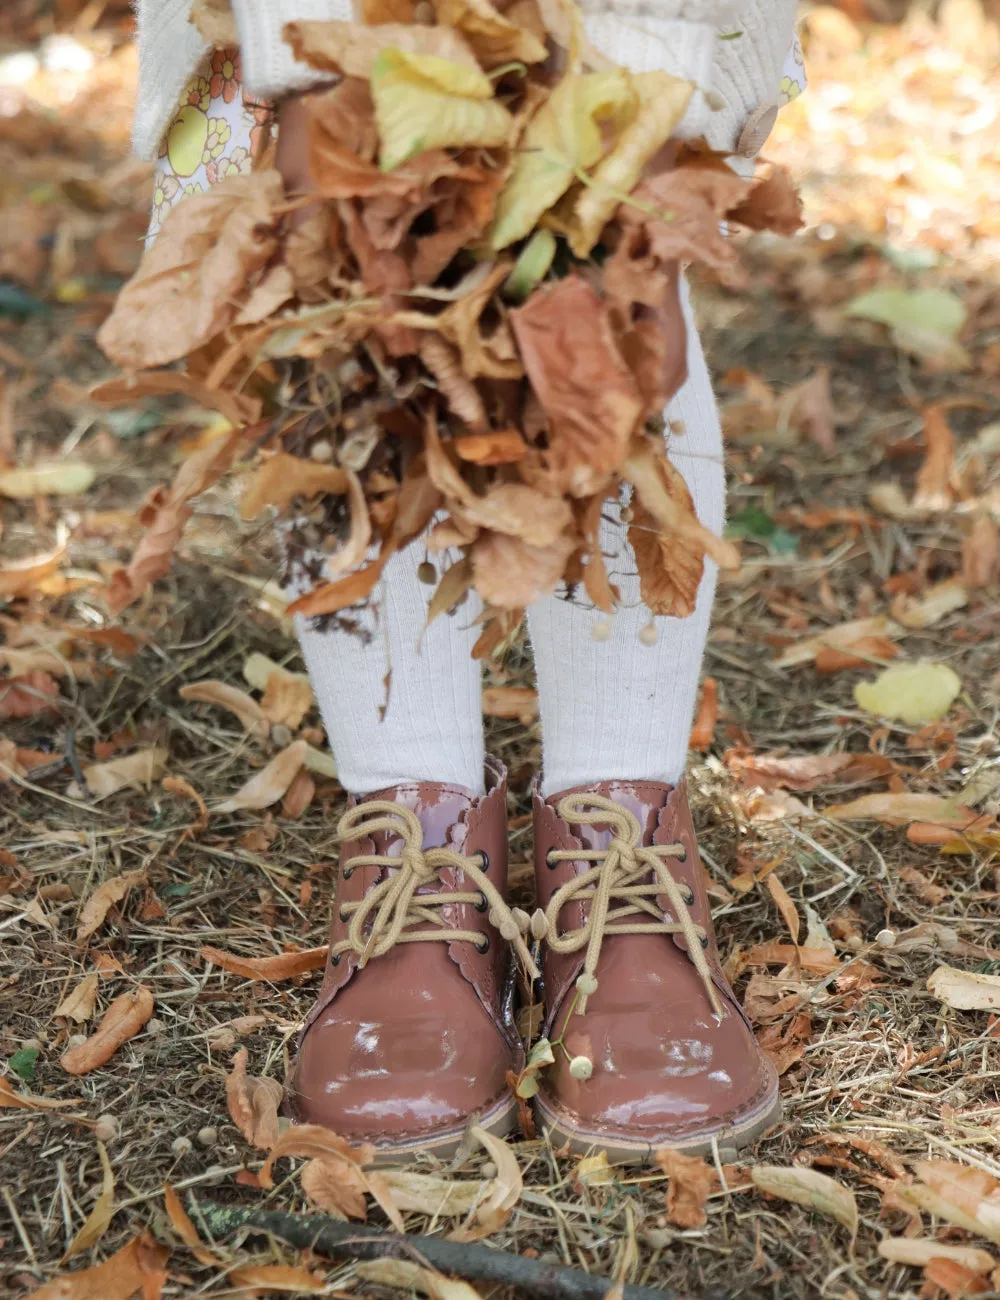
pixel 433 727
pixel 618 709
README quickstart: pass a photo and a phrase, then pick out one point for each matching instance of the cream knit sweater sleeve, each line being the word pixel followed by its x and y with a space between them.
pixel 731 49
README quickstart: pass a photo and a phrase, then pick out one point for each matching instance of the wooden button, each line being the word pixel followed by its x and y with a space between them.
pixel 759 126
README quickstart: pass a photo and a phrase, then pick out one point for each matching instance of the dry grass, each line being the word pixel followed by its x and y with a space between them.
pixel 883 1060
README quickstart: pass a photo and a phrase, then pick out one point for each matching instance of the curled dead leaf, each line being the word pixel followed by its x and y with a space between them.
pixel 270 784
pixel 691 1183
pixel 104 897
pixel 285 966
pixel 810 1188
pixel 253 1103
pixel 133 771
pixel 123 1019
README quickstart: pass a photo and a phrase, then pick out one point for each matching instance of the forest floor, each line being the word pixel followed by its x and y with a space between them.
pixel 865 483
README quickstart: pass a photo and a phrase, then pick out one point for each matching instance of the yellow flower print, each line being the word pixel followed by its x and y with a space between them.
pixel 789 90
pixel 187 140
pixel 165 191
pixel 216 140
pixel 239 163
pixel 197 94
pixel 193 188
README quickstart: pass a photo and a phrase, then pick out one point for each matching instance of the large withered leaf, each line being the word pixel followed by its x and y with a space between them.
pixel 489 355
pixel 663 100
pixel 649 323
pixel 280 478
pixel 423 102
pixel 571 357
pixel 595 573
pixel 772 204
pixel 494 38
pixel 691 202
pixel 654 480
pixel 455 386
pixel 510 574
pixel 193 280
pixel 352 48
pixel 670 567
pixel 462 209
pixel 567 133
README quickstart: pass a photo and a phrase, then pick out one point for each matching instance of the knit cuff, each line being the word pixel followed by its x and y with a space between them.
pixel 269 67
pixel 169 49
pixel 653 44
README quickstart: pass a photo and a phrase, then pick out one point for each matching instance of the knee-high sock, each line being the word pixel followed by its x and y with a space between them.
pixel 433 727
pixel 618 708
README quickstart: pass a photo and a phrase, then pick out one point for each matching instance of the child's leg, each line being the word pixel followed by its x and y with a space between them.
pixel 618 708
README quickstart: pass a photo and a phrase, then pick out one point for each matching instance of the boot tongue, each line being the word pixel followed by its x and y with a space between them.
pixel 644 799
pixel 439 808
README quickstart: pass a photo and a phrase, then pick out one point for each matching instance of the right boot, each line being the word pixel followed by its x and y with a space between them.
pixel 413 1034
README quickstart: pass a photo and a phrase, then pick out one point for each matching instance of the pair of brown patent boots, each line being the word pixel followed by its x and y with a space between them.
pixel 413 1034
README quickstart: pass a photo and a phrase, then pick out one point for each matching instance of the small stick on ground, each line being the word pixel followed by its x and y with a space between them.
pixel 328 1237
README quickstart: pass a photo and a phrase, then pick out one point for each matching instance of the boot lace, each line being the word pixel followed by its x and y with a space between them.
pixel 392 911
pixel 620 891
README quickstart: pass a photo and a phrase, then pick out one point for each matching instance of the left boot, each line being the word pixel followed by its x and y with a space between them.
pixel 656 1051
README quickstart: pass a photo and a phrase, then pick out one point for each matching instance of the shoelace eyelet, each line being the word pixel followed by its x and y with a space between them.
pixel 483 903
pixel 485 857
pixel 484 947
pixel 548 860
pixel 344 918
pixel 347 873
pixel 689 896
pixel 684 855
pixel 704 940
pixel 335 961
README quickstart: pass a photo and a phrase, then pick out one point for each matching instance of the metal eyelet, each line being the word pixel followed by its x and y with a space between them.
pixel 347 873
pixel 548 860
pixel 480 853
pixel 484 947
pixel 335 961
pixel 689 900
pixel 483 903
pixel 684 855
pixel 704 940
pixel 343 918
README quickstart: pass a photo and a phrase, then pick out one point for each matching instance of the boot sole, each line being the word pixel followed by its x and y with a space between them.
pixel 562 1129
pixel 500 1120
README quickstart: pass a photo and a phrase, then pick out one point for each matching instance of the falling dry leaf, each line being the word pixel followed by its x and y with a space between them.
pixel 253 1104
pixel 133 771
pixel 281 478
pixel 101 1215
pixel 244 706
pixel 10 1099
pixel 933 488
pixel 78 1004
pixel 703 730
pixel 123 1019
pixel 836 638
pixel 965 990
pixel 691 1183
pixel 286 966
pixel 104 897
pixel 810 1188
pixel 23 577
pixel 937 603
pixel 270 784
pixel 138 1267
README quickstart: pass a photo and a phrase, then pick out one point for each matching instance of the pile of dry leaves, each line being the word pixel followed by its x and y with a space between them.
pixel 477 315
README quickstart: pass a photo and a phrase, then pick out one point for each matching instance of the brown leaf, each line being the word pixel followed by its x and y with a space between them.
pixel 351 48
pixel 856 654
pixel 839 637
pixel 139 1266
pixel 237 408
pixel 965 990
pixel 981 554
pixel 406 1276
pixel 773 203
pixel 299 796
pixel 898 808
pixel 253 1104
pixel 244 706
pixel 99 1218
pixel 968 1198
pixel 703 731
pixel 78 1004
pixel 123 1020
pixel 288 697
pixel 814 413
pixel 185 1229
pixel 458 390
pixel 278 1277
pixel 955 1279
pixel 27 696
pixel 660 490
pixel 937 602
pixel 132 771
pixel 23 577
pixel 933 487
pixel 334 596
pixel 510 702
pixel 670 569
pixel 784 904
pixel 270 784
pixel 810 1188
pixel 502 447
pixel 487 351
pixel 214 20
pixel 570 354
pixel 494 39
pixel 807 771
pixel 785 1044
pixel 97 906
pixel 285 966
pixel 334 1177
pixel 13 1100
pixel 691 1183
pixel 509 573
pixel 177 785
pixel 280 478
pixel 196 275
pixel 694 200
pixel 917 1252
pixel 819 960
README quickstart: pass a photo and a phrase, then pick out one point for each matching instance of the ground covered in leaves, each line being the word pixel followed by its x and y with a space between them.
pixel 851 836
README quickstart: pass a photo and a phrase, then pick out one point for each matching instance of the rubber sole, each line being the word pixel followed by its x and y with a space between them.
pixel 499 1120
pixel 563 1130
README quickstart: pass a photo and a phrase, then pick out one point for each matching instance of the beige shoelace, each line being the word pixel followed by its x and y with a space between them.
pixel 392 911
pixel 620 892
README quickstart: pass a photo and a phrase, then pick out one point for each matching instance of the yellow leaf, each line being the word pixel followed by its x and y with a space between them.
pixel 664 100
pixel 407 1276
pixel 78 1005
pixel 937 603
pixel 425 102
pixel 65 477
pixel 136 770
pixel 564 137
pixel 278 1277
pixel 969 1198
pixel 913 693
pixel 810 1188
pixel 351 49
pixel 100 1216
pixel 917 1252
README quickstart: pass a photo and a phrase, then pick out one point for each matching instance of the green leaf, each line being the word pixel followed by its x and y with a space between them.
pixel 541 1054
pixel 23 1063
pixel 15 302
pixel 532 265
pixel 752 521
pixel 923 321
